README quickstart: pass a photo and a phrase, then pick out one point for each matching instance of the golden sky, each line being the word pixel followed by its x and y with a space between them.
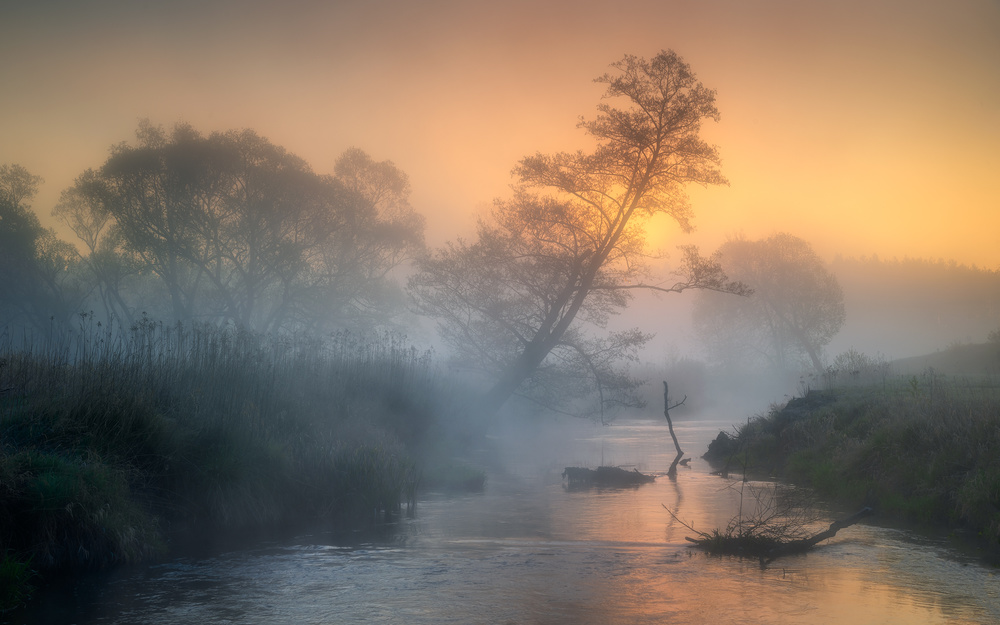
pixel 862 126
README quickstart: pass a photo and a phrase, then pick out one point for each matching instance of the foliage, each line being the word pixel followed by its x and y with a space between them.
pixel 544 269
pixel 122 435
pixel 854 365
pixel 994 336
pixel 236 229
pixel 15 582
pixel 796 308
pixel 917 447
pixel 36 286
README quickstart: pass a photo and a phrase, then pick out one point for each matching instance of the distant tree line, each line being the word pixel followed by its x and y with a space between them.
pixel 223 228
pixel 804 311
pixel 910 306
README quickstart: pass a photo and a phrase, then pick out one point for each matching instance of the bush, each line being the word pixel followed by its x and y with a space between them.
pixel 927 455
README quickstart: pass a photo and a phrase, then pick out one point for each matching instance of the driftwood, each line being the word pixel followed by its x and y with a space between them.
pixel 605 476
pixel 672 472
pixel 767 549
pixel 798 546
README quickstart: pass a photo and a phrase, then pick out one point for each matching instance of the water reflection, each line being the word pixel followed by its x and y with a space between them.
pixel 530 551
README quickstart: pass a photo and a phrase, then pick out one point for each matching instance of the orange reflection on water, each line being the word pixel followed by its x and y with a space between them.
pixel 616 556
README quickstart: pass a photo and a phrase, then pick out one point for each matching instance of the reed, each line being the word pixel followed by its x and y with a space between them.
pixel 15 582
pixel 120 434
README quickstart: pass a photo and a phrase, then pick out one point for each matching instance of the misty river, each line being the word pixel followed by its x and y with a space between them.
pixel 529 550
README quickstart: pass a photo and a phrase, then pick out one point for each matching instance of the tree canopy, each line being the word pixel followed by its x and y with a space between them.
pixel 796 308
pixel 566 251
pixel 237 229
pixel 35 288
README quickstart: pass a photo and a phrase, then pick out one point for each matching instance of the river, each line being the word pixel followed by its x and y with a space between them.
pixel 528 550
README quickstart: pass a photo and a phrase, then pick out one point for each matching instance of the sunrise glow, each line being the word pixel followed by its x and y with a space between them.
pixel 865 130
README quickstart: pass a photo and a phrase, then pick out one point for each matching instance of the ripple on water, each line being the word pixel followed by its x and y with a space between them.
pixel 529 551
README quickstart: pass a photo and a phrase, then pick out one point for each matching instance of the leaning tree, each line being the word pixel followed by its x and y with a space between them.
pixel 568 249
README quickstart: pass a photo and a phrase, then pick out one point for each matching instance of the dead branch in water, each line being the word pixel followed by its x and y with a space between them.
pixel 766 546
pixel 798 546
pixel 672 473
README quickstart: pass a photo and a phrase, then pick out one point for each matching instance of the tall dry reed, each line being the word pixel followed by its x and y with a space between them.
pixel 119 434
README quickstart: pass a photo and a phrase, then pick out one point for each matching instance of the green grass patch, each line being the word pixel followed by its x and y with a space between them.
pixel 919 448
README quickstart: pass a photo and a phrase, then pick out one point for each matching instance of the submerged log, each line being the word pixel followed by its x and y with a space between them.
pixel 799 546
pixel 605 476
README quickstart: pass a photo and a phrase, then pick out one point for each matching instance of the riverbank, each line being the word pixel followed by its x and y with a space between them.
pixel 920 449
pixel 119 442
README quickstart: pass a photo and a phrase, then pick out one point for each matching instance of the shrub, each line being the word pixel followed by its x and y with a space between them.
pixel 927 456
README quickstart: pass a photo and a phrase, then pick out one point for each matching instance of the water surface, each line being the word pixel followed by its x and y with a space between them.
pixel 530 550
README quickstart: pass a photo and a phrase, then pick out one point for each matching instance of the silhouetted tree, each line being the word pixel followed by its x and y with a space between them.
pixel 515 301
pixel 36 287
pixel 110 268
pixel 380 235
pixel 236 228
pixel 796 307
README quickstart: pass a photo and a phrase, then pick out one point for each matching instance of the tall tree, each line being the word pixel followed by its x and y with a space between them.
pixel 35 283
pixel 106 262
pixel 235 228
pixel 545 266
pixel 796 308
pixel 382 234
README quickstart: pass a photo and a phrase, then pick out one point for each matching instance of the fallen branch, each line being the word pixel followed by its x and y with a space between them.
pixel 754 545
pixel 804 544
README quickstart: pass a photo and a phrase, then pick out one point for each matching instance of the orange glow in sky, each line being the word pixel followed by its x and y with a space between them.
pixel 862 127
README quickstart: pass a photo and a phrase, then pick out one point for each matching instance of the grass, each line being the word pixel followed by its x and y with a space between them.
pixel 15 582
pixel 924 449
pixel 112 441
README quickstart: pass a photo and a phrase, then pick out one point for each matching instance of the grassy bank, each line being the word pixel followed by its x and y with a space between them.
pixel 924 449
pixel 113 442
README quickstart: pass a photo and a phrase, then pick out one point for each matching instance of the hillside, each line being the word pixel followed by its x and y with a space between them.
pixel 961 360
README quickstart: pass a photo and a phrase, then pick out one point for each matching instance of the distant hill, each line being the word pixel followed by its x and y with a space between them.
pixel 970 360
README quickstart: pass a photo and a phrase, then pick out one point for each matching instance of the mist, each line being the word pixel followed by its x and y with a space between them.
pixel 343 297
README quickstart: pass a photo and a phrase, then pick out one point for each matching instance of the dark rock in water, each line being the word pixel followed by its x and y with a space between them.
pixel 605 476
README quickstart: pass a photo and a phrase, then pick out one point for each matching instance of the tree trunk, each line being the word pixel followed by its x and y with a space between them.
pixel 798 546
pixel 512 377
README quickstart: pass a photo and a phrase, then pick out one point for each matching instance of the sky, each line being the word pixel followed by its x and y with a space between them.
pixel 864 127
